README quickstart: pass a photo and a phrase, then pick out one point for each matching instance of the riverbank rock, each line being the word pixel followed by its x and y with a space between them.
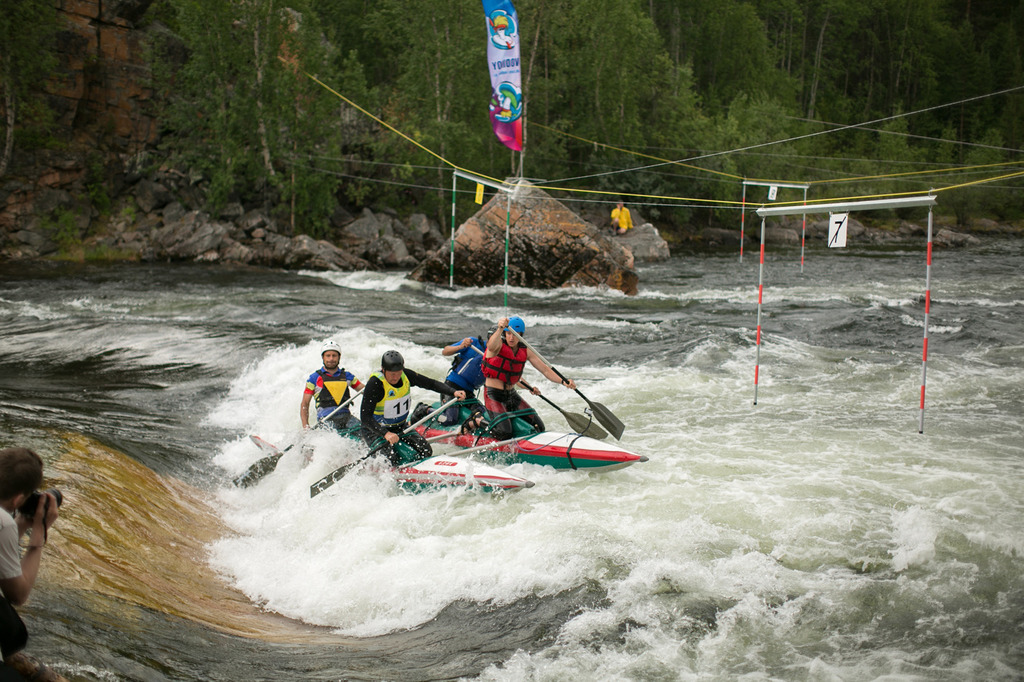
pixel 947 238
pixel 645 243
pixel 790 230
pixel 387 242
pixel 549 247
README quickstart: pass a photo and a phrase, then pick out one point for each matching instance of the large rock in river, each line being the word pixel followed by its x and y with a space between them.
pixel 549 247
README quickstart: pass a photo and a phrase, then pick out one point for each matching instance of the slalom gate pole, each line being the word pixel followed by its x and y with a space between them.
pixel 451 256
pixel 803 233
pixel 927 310
pixel 508 219
pixel 743 214
pixel 760 299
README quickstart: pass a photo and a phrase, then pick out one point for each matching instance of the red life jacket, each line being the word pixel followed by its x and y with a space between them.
pixel 507 366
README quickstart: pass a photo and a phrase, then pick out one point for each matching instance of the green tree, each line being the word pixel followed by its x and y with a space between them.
pixel 27 59
pixel 642 78
pixel 245 111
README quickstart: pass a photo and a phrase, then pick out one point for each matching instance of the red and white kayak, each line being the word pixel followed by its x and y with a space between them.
pixel 549 448
pixel 436 471
pixel 443 470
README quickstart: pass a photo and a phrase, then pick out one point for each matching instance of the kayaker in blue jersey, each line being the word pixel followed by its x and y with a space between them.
pixel 466 371
pixel 329 387
pixel 502 368
pixel 386 404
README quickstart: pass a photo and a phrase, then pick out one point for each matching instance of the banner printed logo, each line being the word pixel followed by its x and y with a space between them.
pixel 503 29
pixel 507 103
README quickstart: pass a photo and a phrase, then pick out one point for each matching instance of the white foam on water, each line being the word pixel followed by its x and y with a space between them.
pixel 815 535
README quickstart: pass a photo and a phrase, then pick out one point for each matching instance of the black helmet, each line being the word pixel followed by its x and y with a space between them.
pixel 392 361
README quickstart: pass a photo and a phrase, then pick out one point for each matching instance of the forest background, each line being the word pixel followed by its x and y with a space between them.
pixel 279 104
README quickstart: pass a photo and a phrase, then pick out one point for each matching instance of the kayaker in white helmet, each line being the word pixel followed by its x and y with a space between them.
pixel 329 387
pixel 503 367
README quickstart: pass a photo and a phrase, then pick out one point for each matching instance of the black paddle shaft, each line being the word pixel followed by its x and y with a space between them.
pixel 336 475
pixel 583 425
pixel 602 413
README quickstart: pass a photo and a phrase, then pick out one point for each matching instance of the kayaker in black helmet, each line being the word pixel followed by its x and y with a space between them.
pixel 386 404
pixel 503 367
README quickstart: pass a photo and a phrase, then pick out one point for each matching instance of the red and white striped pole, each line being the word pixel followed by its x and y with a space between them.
pixel 760 300
pixel 927 310
pixel 743 214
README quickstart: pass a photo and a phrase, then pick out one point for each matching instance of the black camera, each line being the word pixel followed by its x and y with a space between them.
pixel 28 509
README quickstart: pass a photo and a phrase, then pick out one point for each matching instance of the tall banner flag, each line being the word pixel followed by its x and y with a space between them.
pixel 506 77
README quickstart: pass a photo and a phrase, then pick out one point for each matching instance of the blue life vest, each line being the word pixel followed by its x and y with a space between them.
pixel 466 372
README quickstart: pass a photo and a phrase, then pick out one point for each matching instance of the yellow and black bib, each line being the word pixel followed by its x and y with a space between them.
pixel 394 406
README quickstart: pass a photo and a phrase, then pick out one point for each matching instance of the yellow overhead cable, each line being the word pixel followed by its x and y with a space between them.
pixel 637 196
pixel 983 181
pixel 393 129
pixel 808 182
pixel 936 171
pixel 487 177
pixel 720 202
pixel 629 151
pixel 812 202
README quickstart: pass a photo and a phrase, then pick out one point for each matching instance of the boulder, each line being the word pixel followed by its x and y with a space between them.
pixel 425 231
pixel 306 252
pixel 34 242
pixel 549 246
pixel 151 196
pixel 389 252
pixel 948 238
pixel 907 230
pixel 645 243
pixel 232 211
pixel 720 236
pixel 190 238
pixel 173 212
pixel 774 234
pixel 369 226
pixel 254 220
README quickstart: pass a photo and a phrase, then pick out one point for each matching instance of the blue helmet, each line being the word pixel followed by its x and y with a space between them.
pixel 517 325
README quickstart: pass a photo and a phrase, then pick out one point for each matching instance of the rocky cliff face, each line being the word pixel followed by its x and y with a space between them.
pixel 102 100
pixel 103 97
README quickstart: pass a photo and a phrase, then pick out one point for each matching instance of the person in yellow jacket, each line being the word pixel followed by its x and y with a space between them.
pixel 621 219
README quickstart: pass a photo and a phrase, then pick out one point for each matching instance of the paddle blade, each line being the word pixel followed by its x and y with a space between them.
pixel 333 477
pixel 328 480
pixel 605 416
pixel 257 471
pixel 584 425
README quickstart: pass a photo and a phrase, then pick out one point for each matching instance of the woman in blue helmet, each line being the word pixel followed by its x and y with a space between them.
pixel 503 367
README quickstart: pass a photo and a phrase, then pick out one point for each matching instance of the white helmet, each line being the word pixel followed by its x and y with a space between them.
pixel 330 344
